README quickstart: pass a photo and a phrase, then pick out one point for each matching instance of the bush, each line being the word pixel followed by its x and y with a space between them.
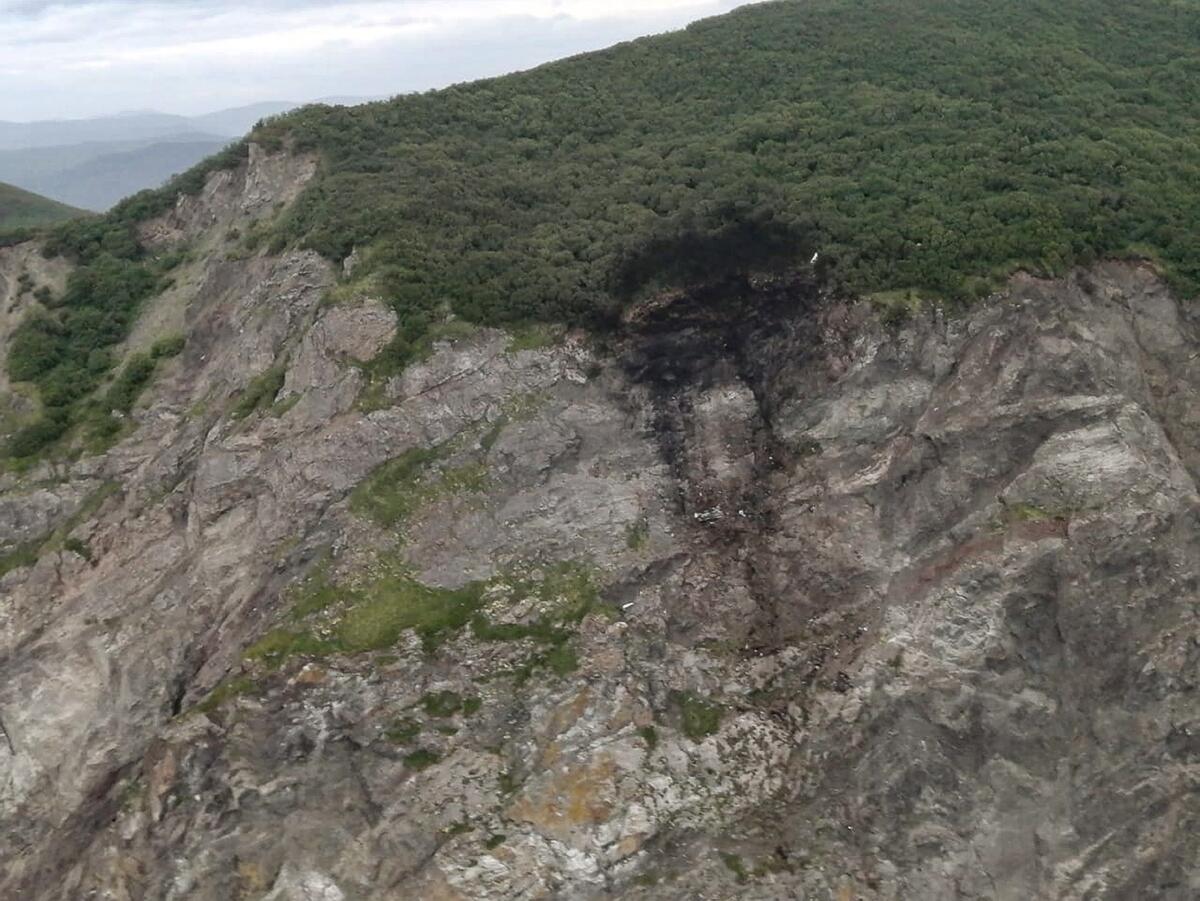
pixel 66 352
pixel 921 149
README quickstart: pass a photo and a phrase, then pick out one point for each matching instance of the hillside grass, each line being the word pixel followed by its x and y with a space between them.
pixel 21 209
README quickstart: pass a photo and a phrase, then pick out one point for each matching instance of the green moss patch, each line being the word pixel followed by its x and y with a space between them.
pixel 395 603
pixel 420 759
pixel 261 391
pixel 28 553
pixel 442 703
pixel 734 864
pixel 534 336
pixel 698 717
pixel 402 731
pixel 373 615
pixel 400 487
pixel 224 692
pixel 277 646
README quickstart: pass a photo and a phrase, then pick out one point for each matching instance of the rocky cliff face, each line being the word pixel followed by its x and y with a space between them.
pixel 760 597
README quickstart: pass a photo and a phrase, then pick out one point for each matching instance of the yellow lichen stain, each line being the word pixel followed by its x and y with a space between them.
pixel 161 779
pixel 578 797
pixel 608 659
pixel 550 755
pixel 630 710
pixel 310 675
pixel 629 845
pixel 567 714
pixel 252 880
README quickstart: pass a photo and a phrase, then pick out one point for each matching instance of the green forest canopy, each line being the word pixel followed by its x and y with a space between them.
pixel 932 145
pixel 926 144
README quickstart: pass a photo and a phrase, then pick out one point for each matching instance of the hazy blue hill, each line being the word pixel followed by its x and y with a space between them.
pixel 239 120
pixel 86 176
pixel 93 163
pixel 146 126
pixel 127 127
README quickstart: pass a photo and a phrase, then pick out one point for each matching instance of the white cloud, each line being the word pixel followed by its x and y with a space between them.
pixel 62 59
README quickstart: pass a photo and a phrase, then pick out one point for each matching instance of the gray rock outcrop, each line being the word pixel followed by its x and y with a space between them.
pixel 764 598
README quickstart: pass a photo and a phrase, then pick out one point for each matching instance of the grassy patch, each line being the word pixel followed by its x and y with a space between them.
pixel 20 556
pixel 565 593
pixel 315 593
pixel 650 736
pixel 534 336
pixel 421 759
pixel 79 548
pixel 260 392
pixel 395 490
pixel 734 864
pixel 1022 512
pixel 274 648
pixel 698 717
pixel 442 703
pixel 402 731
pixel 450 330
pixel 561 660
pixel 281 407
pixel 637 534
pixel 231 688
pixel 373 615
pixel 400 487
pixel 495 841
pixel 59 539
pixel 396 603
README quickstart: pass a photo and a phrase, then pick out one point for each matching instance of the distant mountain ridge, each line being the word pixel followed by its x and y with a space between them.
pixel 148 125
pixel 93 163
pixel 96 175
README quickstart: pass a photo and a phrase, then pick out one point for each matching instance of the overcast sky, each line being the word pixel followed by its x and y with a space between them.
pixel 76 58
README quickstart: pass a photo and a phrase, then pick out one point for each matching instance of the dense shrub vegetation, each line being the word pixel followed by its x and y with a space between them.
pixel 66 350
pixel 924 145
pixel 933 145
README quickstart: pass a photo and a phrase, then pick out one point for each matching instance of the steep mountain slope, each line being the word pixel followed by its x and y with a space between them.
pixel 21 209
pixel 754 589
